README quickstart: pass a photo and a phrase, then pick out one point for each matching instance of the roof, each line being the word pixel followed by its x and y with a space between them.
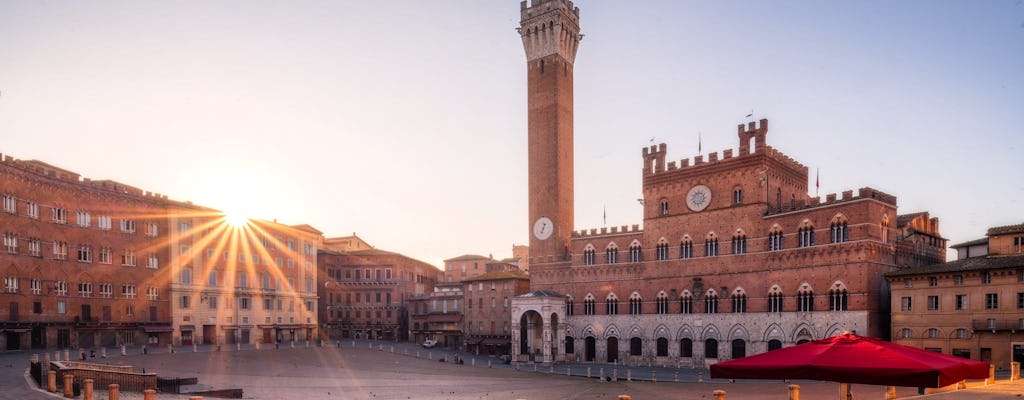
pixel 307 228
pixel 498 275
pixel 975 242
pixel 967 264
pixel 467 257
pixel 542 293
pixel 903 220
pixel 1003 230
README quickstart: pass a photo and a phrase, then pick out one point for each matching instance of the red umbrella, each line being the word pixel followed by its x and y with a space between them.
pixel 849 358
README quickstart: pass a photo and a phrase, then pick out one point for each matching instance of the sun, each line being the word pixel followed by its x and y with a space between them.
pixel 236 218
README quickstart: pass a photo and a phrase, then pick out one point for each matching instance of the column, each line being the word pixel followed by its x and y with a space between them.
pixel 515 343
pixel 547 341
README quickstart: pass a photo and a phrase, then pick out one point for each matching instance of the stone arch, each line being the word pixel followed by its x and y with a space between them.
pixel 774 331
pixel 636 331
pixel 711 332
pixel 738 331
pixel 589 331
pixel 685 332
pixel 834 330
pixel 589 247
pixel 775 289
pixel 611 331
pixel 660 331
pixel 803 331
pixel 570 331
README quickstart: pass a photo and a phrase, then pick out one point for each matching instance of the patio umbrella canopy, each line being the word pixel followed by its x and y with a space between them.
pixel 849 358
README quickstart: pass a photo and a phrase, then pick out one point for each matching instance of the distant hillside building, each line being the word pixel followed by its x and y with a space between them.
pixel 972 307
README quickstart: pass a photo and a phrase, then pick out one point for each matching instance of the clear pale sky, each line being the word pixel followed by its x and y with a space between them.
pixel 405 121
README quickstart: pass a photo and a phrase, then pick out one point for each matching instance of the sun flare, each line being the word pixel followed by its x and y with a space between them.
pixel 236 218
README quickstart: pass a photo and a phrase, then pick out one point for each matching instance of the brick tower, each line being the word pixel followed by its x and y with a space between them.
pixel 550 31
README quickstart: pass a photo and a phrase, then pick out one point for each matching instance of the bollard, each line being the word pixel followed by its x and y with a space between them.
pixel 307 343
pixel 601 373
pixel 69 386
pixel 195 347
pixel 430 355
pixel 794 392
pixel 392 348
pixel 489 365
pixel 124 350
pixel 353 344
pixel 629 375
pixel 568 371
pixel 114 391
pixel 417 354
pixel 51 381
pixel 257 345
pixel 472 362
pixel 991 374
pixel 700 377
pixel 890 393
pixel 238 346
pixel 551 369
pixel 719 394
pixel 624 397
pixel 845 392
pixel 675 376
pixel 67 355
pixel 369 346
pixel 87 391
pixel 103 352
pixel 170 348
pixel 534 367
pixel 293 344
pixel 615 375
pixel 1014 371
pixel 654 377
pixel 588 372
pixel 149 394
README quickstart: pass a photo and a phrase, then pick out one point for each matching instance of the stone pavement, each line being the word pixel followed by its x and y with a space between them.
pixel 363 370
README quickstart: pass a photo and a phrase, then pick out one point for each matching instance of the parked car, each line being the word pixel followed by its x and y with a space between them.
pixel 429 343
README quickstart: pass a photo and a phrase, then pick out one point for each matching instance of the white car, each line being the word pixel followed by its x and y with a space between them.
pixel 429 343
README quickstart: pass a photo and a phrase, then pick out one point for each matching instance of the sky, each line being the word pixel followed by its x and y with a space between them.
pixel 404 122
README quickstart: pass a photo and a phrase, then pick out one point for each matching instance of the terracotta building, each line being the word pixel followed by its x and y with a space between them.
pixel 365 293
pixel 254 282
pixel 85 263
pixel 488 309
pixel 733 256
pixel 438 316
pixel 972 307
pixel 464 267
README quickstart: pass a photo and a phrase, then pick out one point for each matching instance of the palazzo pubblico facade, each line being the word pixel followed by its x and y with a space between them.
pixel 733 258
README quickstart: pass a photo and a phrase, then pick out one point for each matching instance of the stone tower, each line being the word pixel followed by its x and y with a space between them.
pixel 551 34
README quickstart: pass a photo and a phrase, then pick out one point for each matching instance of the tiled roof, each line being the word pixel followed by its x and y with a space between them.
pixel 467 257
pixel 496 275
pixel 541 293
pixel 903 220
pixel 974 242
pixel 1003 230
pixel 967 264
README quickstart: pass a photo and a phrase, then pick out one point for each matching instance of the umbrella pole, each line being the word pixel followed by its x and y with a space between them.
pixel 844 392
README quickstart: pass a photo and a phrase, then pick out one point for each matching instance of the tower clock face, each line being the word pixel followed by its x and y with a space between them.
pixel 543 228
pixel 698 198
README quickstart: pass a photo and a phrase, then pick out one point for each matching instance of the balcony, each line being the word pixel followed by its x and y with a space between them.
pixel 996 325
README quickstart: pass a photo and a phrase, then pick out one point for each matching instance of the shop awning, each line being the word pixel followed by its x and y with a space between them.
pixel 157 328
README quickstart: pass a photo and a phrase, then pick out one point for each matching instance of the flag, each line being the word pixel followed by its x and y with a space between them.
pixel 605 215
pixel 817 181
pixel 698 143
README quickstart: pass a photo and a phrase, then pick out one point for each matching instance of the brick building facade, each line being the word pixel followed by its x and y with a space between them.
pixel 84 262
pixel 365 293
pixel 734 257
pixel 488 311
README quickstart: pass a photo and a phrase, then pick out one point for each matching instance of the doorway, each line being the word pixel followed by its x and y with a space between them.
pixel 613 349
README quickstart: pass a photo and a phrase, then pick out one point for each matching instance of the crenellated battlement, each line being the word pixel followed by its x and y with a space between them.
pixel 783 159
pixel 41 168
pixel 550 27
pixel 615 230
pixel 833 199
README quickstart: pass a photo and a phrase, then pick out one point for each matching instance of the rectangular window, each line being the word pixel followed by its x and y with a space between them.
pixel 933 281
pixel 103 222
pixel 958 280
pixel 961 302
pixel 907 283
pixel 185 301
pixel 36 286
pixel 933 303
pixel 85 289
pixel 128 258
pixel 106 290
pixel 60 215
pixel 10 204
pixel 105 255
pixel 11 243
pixel 83 219
pixel 991 301
pixel 62 307
pixel 152 261
pixel 35 247
pixel 986 277
pixel 128 292
pixel 153 293
pixel 84 253
pixel 32 209
pixel 906 304
pixel 127 225
pixel 11 284
pixel 184 227
pixel 152 230
pixel 60 250
pixel 1020 300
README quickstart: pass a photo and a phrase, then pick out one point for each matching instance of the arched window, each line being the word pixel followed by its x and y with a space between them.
pixel 710 348
pixel 739 242
pixel 662 303
pixel 711 302
pixel 775 299
pixel 686 302
pixel 837 297
pixel 611 254
pixel 774 344
pixel 775 238
pixel 885 229
pixel 611 304
pixel 805 298
pixel 589 304
pixel 568 305
pixel 686 347
pixel 737 195
pixel 636 253
pixel 837 230
pixel 686 247
pixel 664 207
pixel 570 346
pixel 739 300
pixel 635 304
pixel 739 348
pixel 636 346
pixel 589 255
pixel 662 347
pixel 711 245
pixel 805 235
pixel 662 249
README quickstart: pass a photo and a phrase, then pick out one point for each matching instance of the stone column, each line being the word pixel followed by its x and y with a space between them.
pixel 515 343
pixel 546 337
pixel 69 385
pixel 531 339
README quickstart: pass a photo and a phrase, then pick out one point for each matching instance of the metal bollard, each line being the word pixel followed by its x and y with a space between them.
pixel 87 391
pixel 114 391
pixel 615 375
pixel 430 355
pixel 600 374
pixel 568 371
pixel 257 345
pixel 489 365
pixel 293 344
pixel 170 348
pixel 51 381
pixel 551 369
pixel 69 385
pixel 794 392
pixel 149 394
pixel 238 346
pixel 719 394
pixel 392 348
